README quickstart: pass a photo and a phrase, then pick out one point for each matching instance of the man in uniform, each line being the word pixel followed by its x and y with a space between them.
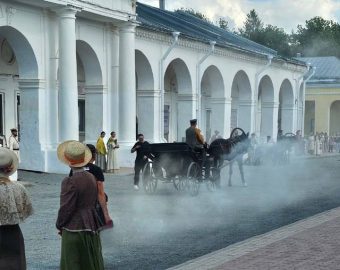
pixel 194 138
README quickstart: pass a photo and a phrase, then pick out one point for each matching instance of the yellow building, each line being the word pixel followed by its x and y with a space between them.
pixel 322 96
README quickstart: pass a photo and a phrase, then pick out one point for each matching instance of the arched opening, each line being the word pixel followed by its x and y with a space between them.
pixel 20 96
pixel 265 108
pixel 90 93
pixel 146 97
pixel 241 102
pixel 178 100
pixel 334 122
pixel 286 107
pixel 212 102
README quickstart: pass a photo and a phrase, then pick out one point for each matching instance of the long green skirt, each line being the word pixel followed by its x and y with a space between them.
pixel 81 251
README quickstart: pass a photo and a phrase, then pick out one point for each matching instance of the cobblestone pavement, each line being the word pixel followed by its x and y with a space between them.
pixel 167 229
pixel 309 244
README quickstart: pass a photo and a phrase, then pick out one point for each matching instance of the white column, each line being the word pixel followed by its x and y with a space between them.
pixel 269 118
pixel 148 113
pixel 51 35
pixel 245 115
pixel 186 110
pixel 287 118
pixel 221 116
pixel 68 87
pixel 94 103
pixel 127 85
pixel 32 112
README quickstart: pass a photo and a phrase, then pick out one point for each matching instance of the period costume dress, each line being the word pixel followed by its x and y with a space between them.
pixel 112 159
pixel 101 154
pixel 13 144
pixel 78 220
pixel 15 207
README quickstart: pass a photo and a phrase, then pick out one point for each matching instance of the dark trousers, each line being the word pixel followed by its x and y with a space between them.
pixel 139 165
pixel 12 248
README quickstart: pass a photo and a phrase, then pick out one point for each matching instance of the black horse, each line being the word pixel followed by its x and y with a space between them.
pixel 227 149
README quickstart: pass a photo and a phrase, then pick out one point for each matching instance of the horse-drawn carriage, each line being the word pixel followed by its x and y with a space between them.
pixel 179 164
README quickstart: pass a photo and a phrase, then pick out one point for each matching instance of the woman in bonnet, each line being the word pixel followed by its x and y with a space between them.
pixel 78 222
pixel 15 207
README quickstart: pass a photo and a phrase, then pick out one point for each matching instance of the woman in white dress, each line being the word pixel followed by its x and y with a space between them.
pixel 112 147
pixel 13 144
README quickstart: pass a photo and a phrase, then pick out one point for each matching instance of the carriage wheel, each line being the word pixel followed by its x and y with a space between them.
pixel 148 178
pixel 237 132
pixel 192 178
pixel 179 183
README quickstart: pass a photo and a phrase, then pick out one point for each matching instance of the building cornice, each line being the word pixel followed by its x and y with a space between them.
pixel 231 52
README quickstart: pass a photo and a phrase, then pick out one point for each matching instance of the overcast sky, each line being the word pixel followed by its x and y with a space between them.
pixel 282 13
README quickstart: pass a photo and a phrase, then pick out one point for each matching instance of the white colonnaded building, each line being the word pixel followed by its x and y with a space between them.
pixel 70 69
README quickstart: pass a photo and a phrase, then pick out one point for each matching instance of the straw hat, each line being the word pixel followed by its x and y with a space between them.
pixel 74 153
pixel 8 162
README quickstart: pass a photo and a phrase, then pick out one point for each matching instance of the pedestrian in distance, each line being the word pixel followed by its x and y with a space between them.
pixel 215 136
pixel 112 152
pixel 78 221
pixel 15 207
pixel 141 147
pixel 101 152
pixel 13 144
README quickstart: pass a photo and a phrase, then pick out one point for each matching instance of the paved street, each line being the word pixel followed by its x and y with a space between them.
pixel 167 229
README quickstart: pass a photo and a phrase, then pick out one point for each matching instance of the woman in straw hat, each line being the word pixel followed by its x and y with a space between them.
pixel 15 207
pixel 77 220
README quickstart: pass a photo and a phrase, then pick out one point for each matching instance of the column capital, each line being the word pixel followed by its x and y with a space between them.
pixel 95 89
pixel 220 100
pixel 27 84
pixel 68 12
pixel 128 27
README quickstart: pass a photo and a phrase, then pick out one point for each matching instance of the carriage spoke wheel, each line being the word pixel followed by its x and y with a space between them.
pixel 179 183
pixel 148 178
pixel 192 178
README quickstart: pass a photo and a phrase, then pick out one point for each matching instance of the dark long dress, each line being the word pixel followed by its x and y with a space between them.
pixel 12 248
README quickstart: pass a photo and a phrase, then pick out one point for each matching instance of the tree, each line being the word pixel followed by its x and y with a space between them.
pixel 223 24
pixel 253 27
pixel 277 39
pixel 319 37
pixel 195 13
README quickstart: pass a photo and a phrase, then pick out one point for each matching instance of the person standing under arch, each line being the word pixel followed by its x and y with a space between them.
pixel 101 152
pixel 112 151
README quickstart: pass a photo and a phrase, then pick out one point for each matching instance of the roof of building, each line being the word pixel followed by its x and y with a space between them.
pixel 327 69
pixel 192 27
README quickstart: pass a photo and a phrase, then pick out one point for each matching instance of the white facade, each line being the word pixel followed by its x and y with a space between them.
pixel 228 89
pixel 59 55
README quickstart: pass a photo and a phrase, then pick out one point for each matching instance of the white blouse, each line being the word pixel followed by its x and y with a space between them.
pixel 15 203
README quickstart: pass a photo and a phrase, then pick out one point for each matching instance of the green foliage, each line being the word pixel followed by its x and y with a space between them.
pixel 223 24
pixel 252 27
pixel 195 13
pixel 318 37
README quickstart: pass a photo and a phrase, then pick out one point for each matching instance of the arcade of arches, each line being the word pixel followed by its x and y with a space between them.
pixel 74 81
